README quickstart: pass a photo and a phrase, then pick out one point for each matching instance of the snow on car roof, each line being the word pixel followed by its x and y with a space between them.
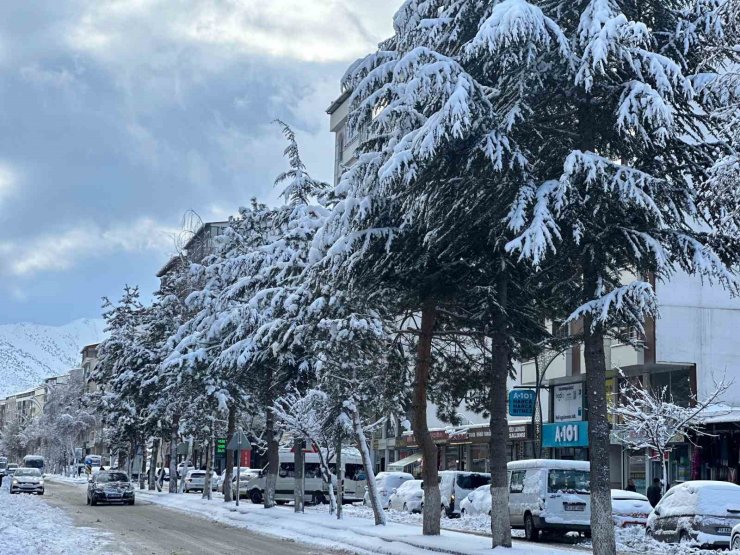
pixel 714 484
pixel 624 494
pixel 393 474
pixel 549 463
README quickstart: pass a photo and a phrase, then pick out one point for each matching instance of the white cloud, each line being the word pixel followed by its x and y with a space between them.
pixel 305 30
pixel 62 251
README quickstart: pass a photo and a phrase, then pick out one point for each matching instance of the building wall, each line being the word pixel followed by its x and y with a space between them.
pixel 699 324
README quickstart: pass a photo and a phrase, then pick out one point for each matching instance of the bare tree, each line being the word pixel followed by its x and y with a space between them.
pixel 649 417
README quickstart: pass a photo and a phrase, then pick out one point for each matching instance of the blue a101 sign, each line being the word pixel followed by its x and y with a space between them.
pixel 521 402
pixel 565 434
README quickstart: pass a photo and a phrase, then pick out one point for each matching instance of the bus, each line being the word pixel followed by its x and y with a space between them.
pixel 34 461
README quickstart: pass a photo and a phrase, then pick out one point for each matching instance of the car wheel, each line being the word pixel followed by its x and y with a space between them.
pixel 405 508
pixel 462 513
pixel 318 498
pixel 683 537
pixel 41 492
pixel 87 500
pixel 93 501
pixel 255 496
pixel 735 542
pixel 530 530
pixel 132 502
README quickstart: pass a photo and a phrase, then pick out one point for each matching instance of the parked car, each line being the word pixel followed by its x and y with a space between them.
pixel 735 538
pixel 386 482
pixel 195 480
pixel 110 486
pixel 550 495
pixel 408 497
pixel 630 508
pixel 247 474
pixel 27 480
pixel 700 512
pixel 10 469
pixel 477 502
pixel 183 470
pixel 455 485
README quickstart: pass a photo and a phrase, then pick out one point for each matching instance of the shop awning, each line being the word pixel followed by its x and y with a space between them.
pixel 401 464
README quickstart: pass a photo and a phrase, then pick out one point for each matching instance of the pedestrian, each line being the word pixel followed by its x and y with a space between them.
pixel 631 485
pixel 654 492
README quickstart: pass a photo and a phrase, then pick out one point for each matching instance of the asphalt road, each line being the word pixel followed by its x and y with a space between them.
pixel 147 528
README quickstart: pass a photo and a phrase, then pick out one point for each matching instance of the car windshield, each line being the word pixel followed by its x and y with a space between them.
pixel 104 477
pixel 472 481
pixel 569 481
pixel 28 472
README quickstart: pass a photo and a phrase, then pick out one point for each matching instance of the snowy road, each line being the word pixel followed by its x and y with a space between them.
pixel 151 529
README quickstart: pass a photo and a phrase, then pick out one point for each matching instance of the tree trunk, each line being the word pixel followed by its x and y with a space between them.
pixel 602 525
pixel 340 476
pixel 187 464
pixel 207 487
pixel 273 458
pixel 174 431
pixel 499 425
pixel 300 483
pixel 153 467
pixel 142 470
pixel 229 475
pixel 429 474
pixel 367 462
pixel 664 469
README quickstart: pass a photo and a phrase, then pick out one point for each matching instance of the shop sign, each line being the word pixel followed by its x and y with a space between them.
pixel 521 402
pixel 518 432
pixel 568 402
pixel 565 434
pixel 220 446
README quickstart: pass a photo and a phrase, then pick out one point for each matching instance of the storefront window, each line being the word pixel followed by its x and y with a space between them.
pixel 453 457
pixel 479 457
pixel 676 384
pixel 680 465
pixel 637 472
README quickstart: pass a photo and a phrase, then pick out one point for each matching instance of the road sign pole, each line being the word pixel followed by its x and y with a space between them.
pixel 238 474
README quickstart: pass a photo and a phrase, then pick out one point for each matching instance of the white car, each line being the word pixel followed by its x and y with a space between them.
pixel 196 481
pixel 182 469
pixel 477 502
pixel 735 541
pixel 630 508
pixel 408 497
pixel 386 482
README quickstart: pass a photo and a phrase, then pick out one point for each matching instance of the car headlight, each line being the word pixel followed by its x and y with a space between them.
pixel 15 482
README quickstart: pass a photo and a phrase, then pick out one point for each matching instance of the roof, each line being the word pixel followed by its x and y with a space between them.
pixel 168 266
pixel 90 346
pixel 405 461
pixel 549 463
pixel 338 102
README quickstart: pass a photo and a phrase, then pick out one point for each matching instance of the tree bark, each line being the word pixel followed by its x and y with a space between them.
pixel 207 487
pixel 499 425
pixel 174 432
pixel 429 473
pixel 602 525
pixel 229 475
pixel 273 458
pixel 340 476
pixel 143 469
pixel 153 467
pixel 300 483
pixel 372 487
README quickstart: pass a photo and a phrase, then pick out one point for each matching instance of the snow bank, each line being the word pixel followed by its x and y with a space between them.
pixel 28 525
pixel 352 533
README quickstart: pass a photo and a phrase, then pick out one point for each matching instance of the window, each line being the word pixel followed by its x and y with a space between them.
pixel 472 481
pixel 287 470
pixel 354 472
pixel 569 481
pixel 676 384
pixel 312 470
pixel 516 482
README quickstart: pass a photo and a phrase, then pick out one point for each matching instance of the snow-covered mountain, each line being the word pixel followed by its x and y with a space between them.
pixel 31 352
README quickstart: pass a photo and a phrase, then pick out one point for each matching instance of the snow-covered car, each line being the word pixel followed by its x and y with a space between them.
pixel 408 497
pixel 477 502
pixel 27 480
pixel 386 482
pixel 183 470
pixel 630 508
pixel 735 538
pixel 195 480
pixel 455 485
pixel 700 512
pixel 109 486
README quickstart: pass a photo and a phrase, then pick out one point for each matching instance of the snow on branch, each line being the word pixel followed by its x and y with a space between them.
pixel 630 303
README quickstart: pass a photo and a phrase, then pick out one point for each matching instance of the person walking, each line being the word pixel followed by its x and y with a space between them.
pixel 654 492
pixel 631 486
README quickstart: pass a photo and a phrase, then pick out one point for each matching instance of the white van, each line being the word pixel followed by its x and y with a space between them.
pixel 551 495
pixel 455 485
pixel 317 491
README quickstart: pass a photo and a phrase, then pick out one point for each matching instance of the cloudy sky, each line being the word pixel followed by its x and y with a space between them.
pixel 119 116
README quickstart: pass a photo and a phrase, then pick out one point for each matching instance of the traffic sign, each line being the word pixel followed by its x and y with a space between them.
pixel 239 441
pixel 521 402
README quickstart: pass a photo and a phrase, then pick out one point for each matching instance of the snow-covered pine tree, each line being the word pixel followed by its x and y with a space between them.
pixel 620 142
pixel 419 223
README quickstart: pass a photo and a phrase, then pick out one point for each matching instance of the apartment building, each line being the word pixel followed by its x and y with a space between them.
pixel 195 250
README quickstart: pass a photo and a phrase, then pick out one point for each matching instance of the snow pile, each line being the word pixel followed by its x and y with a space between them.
pixel 354 534
pixel 28 525
pixel 29 353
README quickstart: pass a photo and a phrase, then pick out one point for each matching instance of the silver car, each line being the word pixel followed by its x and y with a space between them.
pixel 196 481
pixel 27 480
